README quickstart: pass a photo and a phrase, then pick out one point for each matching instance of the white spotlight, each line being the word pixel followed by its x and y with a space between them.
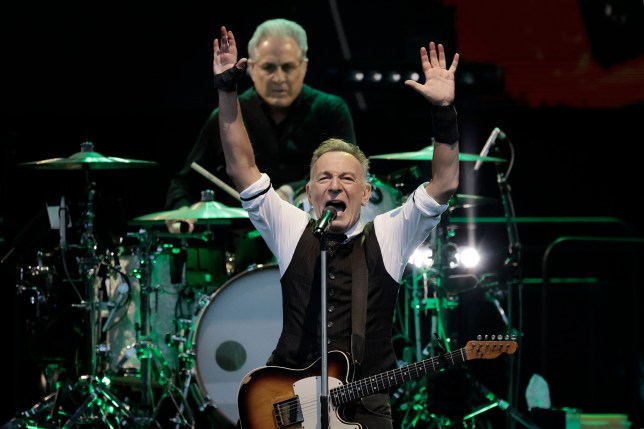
pixel 422 258
pixel 469 257
pixel 374 76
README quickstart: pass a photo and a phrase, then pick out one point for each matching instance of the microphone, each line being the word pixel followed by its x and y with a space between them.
pixel 328 214
pixel 496 133
pixel 123 290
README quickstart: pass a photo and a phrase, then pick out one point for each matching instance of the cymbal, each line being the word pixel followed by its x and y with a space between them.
pixel 427 154
pixel 87 159
pixel 203 210
pixel 465 201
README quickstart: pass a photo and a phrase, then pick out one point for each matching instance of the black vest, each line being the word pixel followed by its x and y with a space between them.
pixel 299 343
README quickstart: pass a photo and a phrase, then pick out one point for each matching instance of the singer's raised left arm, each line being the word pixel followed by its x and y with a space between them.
pixel 439 89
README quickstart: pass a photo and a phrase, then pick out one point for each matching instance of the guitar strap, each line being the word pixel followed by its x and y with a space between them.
pixel 359 289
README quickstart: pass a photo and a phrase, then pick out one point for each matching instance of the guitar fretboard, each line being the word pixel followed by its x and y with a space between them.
pixel 378 383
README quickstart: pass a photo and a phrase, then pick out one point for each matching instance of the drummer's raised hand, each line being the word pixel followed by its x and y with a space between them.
pixel 439 86
pixel 225 52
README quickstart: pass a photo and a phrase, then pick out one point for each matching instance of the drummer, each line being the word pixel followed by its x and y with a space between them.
pixel 285 119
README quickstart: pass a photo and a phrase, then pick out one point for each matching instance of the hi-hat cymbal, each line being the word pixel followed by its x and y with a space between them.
pixel 427 154
pixel 87 159
pixel 465 201
pixel 203 210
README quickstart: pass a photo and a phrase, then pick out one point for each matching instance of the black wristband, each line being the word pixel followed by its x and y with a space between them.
pixel 227 81
pixel 445 124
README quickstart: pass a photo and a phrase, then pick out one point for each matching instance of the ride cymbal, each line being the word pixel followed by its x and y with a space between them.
pixel 203 210
pixel 465 201
pixel 427 154
pixel 87 159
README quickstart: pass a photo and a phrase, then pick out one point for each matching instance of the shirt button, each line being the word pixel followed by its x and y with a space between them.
pixel 331 309
pixel 331 292
pixel 332 276
pixel 329 325
pixel 328 341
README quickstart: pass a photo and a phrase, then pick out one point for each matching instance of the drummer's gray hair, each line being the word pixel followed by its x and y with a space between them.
pixel 278 27
pixel 339 145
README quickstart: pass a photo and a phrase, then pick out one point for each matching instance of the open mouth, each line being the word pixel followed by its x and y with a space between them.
pixel 339 205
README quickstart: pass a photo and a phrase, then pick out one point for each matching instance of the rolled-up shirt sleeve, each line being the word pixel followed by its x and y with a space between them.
pixel 400 231
pixel 280 223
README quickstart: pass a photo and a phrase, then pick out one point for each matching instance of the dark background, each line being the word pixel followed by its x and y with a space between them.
pixel 564 80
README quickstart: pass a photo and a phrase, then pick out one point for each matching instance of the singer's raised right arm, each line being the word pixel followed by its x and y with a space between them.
pixel 240 159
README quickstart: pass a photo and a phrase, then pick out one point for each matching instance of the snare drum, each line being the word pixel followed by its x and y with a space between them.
pixel 236 332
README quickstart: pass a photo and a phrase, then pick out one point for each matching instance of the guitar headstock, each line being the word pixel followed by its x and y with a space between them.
pixel 489 349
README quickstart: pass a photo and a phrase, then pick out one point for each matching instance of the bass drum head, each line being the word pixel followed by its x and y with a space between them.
pixel 236 332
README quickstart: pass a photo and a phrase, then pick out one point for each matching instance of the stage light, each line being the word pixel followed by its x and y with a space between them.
pixel 468 257
pixel 393 76
pixel 422 258
pixel 374 76
pixel 355 76
pixel 411 75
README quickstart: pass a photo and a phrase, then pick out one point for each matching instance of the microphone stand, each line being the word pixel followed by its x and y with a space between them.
pixel 324 378
pixel 512 266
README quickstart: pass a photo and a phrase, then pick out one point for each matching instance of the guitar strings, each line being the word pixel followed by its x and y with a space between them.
pixel 343 393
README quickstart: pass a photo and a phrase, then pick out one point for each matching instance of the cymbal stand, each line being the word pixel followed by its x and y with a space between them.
pixel 88 400
pixel 512 267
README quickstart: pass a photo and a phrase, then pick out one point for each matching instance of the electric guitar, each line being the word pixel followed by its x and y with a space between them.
pixel 274 397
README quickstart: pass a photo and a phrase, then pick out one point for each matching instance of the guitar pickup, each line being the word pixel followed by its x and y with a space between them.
pixel 288 412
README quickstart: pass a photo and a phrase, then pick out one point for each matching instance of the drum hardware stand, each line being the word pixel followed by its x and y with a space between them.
pixel 441 343
pixel 435 275
pixel 66 407
pixel 185 416
pixel 204 403
pixel 511 264
pixel 148 354
pixel 512 268
pixel 186 362
pixel 98 397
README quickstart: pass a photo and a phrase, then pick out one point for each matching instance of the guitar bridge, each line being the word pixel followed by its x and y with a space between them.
pixel 288 412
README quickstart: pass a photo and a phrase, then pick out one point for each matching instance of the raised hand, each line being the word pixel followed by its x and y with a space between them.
pixel 439 80
pixel 225 52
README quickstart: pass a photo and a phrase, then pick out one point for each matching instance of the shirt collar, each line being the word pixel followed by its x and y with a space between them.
pixel 354 230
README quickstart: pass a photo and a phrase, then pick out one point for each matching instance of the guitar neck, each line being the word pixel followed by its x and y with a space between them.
pixel 377 383
pixel 380 382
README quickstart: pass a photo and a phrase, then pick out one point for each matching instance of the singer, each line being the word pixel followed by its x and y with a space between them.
pixel 338 184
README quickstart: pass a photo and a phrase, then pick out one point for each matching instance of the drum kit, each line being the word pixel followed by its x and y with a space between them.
pixel 157 339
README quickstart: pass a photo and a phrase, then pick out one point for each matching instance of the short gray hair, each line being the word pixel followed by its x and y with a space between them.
pixel 339 145
pixel 279 27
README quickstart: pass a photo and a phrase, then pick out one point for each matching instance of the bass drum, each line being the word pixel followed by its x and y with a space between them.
pixel 236 332
pixel 384 197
